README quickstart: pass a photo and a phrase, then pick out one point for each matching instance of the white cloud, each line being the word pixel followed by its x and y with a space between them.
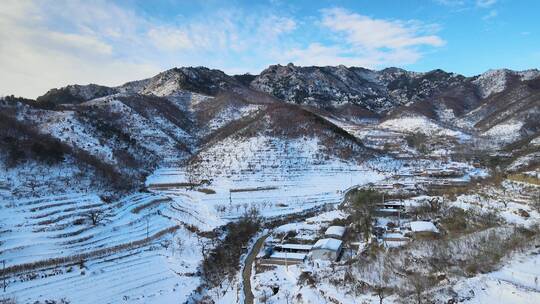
pixel 366 41
pixel 48 43
pixel 372 33
pixel 318 54
pixel 35 55
pixel 485 3
pixel 170 38
pixel 227 30
pixel 490 15
pixel 451 3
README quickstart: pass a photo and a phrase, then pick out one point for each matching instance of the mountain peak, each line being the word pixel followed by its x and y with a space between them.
pixel 497 80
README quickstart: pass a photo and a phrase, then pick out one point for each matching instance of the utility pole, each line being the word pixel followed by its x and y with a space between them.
pixel 147 220
pixel 173 242
pixel 4 272
pixel 286 264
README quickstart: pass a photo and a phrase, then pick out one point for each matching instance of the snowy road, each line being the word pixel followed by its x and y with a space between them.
pixel 246 272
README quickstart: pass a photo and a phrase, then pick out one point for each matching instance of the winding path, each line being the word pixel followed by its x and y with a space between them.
pixel 246 272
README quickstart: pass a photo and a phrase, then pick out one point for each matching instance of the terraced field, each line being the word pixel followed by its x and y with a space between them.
pixel 139 249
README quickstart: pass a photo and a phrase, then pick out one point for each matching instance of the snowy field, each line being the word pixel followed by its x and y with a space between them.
pixel 139 250
pixel 274 196
pixel 517 282
pixel 142 251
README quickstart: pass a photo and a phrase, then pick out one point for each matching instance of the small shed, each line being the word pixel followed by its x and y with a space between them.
pixel 394 239
pixel 287 257
pixel 423 226
pixel 327 249
pixel 335 232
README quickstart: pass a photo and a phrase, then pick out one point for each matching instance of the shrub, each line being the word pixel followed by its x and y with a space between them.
pixel 417 141
pixel 306 278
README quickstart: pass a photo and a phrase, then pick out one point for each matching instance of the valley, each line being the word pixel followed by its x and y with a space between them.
pixel 156 191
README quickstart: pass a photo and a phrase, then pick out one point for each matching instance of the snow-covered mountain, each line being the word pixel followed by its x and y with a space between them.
pixel 191 148
pixel 182 111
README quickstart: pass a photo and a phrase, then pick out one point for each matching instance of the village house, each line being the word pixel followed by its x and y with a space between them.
pixel 285 258
pixel 327 249
pixel 335 232
pixel 286 253
pixel 293 248
pixel 390 208
pixel 394 238
pixel 423 228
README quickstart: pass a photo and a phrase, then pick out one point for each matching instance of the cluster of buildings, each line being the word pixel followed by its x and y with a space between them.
pixel 328 248
pixel 394 227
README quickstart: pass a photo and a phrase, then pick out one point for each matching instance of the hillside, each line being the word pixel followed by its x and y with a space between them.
pixel 133 192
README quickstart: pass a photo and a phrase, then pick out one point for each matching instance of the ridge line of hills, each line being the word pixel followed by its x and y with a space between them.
pixel 171 117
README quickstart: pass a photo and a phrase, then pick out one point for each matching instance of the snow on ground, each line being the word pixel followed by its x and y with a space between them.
pixel 491 82
pixel 282 194
pixel 278 177
pixel 523 161
pixel 291 291
pixel 66 127
pixel 420 124
pixel 310 227
pixel 505 131
pixel 274 194
pixel 151 274
pixel 32 179
pixel 162 269
pixel 510 206
pixel 517 282
pixel 230 114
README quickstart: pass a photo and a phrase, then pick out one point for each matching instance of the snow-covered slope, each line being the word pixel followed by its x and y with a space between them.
pixel 209 146
pixel 419 124
pixel 496 81
pixel 138 248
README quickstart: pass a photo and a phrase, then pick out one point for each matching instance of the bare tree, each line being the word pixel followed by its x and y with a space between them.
pixel 179 244
pixel 419 283
pixel 204 245
pixel 536 200
pixel 288 296
pixel 382 276
pixel 32 183
pixel 96 216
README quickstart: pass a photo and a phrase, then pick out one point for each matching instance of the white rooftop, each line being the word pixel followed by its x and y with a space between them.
pixel 306 247
pixel 422 226
pixel 394 235
pixel 288 255
pixel 328 244
pixel 335 230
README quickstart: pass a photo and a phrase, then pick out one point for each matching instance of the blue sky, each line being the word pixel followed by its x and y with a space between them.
pixel 48 43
